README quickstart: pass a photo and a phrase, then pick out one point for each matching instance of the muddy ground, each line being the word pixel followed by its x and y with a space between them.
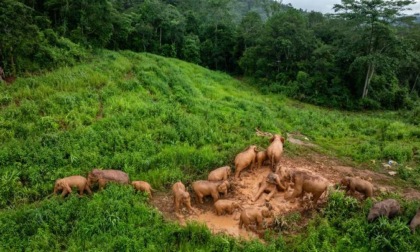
pixel 242 191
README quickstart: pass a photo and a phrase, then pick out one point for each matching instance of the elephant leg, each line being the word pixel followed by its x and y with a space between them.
pixel 81 189
pixel 259 222
pixel 215 196
pixel 176 206
pixel 316 197
pixel 270 195
pixel 88 189
pixel 260 191
pixel 237 174
pixel 101 183
pixel 64 193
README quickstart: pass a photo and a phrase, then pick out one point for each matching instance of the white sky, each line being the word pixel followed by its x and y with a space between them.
pixel 325 6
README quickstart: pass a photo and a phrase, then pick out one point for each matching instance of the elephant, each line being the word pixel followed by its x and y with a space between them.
pixel 358 184
pixel 415 221
pixel 204 187
pixel 388 208
pixel 245 159
pixel 275 150
pixel 65 184
pixel 181 197
pixel 143 186
pixel 221 173
pixel 271 184
pixel 254 215
pixel 105 176
pixel 260 158
pixel 305 182
pixel 222 206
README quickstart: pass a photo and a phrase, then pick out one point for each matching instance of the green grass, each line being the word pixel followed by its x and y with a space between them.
pixel 160 120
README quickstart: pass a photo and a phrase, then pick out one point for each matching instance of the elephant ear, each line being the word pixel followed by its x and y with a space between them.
pixel 282 139
pixel 272 139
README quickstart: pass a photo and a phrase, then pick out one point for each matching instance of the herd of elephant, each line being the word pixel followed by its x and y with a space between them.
pixel 279 179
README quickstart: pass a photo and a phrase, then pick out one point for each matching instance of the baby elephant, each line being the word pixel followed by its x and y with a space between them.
pixel 260 158
pixel 105 176
pixel 67 183
pixel 253 215
pixel 181 197
pixel 228 206
pixel 415 221
pixel 221 173
pixel 245 159
pixel 143 186
pixel 204 187
pixel 357 184
pixel 388 208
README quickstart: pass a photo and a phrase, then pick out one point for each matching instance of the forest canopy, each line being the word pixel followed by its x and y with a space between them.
pixel 365 54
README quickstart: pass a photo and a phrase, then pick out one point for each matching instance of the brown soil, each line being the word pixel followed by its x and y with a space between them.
pixel 242 191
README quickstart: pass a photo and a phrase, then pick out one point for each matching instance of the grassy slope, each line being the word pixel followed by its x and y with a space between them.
pixel 160 120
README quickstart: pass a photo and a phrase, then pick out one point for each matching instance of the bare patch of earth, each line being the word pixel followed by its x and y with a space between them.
pixel 242 191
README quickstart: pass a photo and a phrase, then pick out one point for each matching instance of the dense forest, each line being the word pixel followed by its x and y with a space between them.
pixel 365 55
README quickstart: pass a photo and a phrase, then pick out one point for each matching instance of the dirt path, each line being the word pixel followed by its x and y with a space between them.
pixel 243 191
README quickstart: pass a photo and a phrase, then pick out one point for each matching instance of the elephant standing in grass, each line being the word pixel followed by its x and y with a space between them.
pixel 388 208
pixel 143 186
pixel 357 184
pixel 245 159
pixel 65 184
pixel 105 176
pixel 415 221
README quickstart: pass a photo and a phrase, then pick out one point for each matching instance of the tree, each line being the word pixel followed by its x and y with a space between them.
pixel 371 22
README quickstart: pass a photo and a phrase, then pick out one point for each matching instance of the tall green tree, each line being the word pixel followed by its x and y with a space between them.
pixel 371 23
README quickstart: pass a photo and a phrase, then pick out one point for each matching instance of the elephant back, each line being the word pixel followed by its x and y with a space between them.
pixel 113 175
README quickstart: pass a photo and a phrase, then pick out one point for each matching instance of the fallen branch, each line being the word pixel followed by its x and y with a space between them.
pixel 261 133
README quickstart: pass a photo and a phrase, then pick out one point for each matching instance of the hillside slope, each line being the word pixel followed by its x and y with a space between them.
pixel 160 120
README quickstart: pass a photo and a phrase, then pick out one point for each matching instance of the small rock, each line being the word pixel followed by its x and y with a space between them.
pixel 392 173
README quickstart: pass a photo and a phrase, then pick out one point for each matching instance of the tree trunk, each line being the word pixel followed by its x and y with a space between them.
pixel 369 74
pixel 415 82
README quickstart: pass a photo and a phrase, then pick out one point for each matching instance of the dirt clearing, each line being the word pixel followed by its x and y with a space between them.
pixel 242 192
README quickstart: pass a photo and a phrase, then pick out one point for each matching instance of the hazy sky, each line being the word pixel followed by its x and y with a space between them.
pixel 325 6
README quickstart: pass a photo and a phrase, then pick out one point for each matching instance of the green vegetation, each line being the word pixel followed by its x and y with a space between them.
pixel 162 120
pixel 364 56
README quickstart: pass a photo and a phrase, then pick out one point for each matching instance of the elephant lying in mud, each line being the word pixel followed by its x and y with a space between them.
pixel 245 159
pixel 65 184
pixel 181 197
pixel 204 188
pixel 221 173
pixel 105 176
pixel 354 184
pixel 271 184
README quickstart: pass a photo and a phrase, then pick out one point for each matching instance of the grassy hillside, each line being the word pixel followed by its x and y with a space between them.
pixel 159 120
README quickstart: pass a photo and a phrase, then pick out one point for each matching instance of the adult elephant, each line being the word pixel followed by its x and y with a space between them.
pixel 102 177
